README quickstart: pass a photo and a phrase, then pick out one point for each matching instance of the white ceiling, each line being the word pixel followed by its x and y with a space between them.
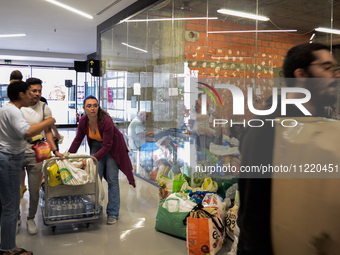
pixel 53 34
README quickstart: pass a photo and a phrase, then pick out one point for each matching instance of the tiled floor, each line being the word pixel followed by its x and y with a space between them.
pixel 134 232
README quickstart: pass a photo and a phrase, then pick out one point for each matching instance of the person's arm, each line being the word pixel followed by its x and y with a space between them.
pixel 142 135
pixel 56 133
pixel 48 113
pixel 150 134
pixel 50 140
pixel 79 136
pixel 140 131
pixel 38 128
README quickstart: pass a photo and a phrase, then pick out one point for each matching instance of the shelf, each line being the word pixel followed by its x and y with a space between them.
pixel 65 190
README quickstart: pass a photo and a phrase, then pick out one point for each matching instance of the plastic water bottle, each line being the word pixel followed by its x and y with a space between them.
pixel 92 198
pixel 74 208
pixel 53 209
pixel 42 194
pixel 88 207
pixel 58 209
pixel 42 198
pixel 69 208
pixel 80 208
pixel 64 208
pixel 49 203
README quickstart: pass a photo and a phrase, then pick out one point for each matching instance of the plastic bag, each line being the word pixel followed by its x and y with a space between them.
pixel 70 174
pixel 162 170
pixel 42 151
pixel 215 201
pixel 92 172
pixel 231 192
pixel 230 221
pixel 209 185
pixel 178 203
pixel 54 178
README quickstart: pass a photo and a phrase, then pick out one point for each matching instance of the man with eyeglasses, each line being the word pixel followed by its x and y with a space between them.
pixel 34 114
pixel 309 66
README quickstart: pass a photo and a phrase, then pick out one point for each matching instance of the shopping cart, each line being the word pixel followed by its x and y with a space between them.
pixel 81 201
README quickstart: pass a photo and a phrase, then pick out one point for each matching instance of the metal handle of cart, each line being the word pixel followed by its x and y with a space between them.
pixel 66 190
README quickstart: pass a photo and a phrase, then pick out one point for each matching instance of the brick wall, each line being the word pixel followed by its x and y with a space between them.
pixel 233 58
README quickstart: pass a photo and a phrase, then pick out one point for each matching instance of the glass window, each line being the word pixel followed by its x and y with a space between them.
pixel 171 60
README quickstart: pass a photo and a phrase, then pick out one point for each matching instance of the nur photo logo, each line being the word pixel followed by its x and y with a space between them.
pixel 239 102
pixel 204 97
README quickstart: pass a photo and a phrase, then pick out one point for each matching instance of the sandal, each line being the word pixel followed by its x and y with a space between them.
pixel 16 251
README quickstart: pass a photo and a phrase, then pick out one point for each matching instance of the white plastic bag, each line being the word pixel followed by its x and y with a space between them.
pixel 215 201
pixel 70 174
pixel 175 201
pixel 91 170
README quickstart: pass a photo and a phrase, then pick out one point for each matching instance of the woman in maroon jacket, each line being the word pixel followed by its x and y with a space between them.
pixel 108 146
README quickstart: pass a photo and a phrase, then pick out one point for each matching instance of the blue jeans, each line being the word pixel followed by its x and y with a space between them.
pixel 109 169
pixel 10 179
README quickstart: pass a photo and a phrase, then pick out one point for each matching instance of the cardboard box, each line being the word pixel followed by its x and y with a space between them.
pixel 305 214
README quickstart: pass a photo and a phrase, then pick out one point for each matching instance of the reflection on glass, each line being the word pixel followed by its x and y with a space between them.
pixel 183 52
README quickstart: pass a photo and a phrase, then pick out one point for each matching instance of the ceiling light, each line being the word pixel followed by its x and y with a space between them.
pixel 108 7
pixel 70 9
pixel 141 20
pixel 252 31
pixel 242 14
pixel 13 35
pixel 133 47
pixel 328 30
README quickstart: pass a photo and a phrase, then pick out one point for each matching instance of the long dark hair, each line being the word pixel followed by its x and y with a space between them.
pixel 101 112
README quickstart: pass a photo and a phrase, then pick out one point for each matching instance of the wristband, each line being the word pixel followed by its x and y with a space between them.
pixel 55 151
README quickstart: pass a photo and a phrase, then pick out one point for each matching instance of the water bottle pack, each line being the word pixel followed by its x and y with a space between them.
pixel 69 207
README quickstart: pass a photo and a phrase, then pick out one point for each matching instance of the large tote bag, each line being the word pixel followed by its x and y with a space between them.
pixel 172 223
pixel 205 232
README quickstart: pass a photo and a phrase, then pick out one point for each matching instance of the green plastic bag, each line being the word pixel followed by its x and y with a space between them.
pixel 171 222
pixel 177 185
pixel 178 181
pixel 224 185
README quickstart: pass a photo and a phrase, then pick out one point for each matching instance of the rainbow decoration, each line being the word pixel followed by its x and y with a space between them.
pixel 209 93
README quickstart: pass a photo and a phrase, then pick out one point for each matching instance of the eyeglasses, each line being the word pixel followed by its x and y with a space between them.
pixel 329 67
pixel 36 90
pixel 91 105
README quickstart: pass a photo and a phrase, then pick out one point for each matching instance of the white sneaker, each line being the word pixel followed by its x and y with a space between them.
pixel 18 225
pixel 31 227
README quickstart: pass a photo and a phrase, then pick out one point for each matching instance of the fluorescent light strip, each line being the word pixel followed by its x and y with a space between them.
pixel 134 47
pixel 13 35
pixel 328 30
pixel 311 38
pixel 230 57
pixel 70 9
pixel 242 14
pixel 141 20
pixel 251 31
